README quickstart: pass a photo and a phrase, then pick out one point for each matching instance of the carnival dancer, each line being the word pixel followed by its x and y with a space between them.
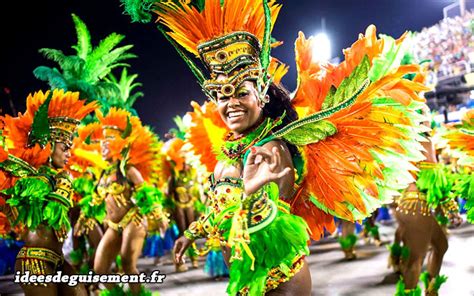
pixel 182 191
pixel 277 175
pixel 86 165
pixel 40 196
pixel 461 140
pixel 130 201
pixel 418 228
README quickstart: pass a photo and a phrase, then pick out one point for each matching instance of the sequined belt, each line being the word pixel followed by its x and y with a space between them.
pixel 184 200
pixel 133 215
pixel 34 260
pixel 413 202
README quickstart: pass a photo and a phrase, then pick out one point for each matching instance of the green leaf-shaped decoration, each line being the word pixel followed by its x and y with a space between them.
pixel 128 129
pixel 391 58
pixel 125 86
pixel 40 128
pixel 303 132
pixel 180 131
pixel 348 86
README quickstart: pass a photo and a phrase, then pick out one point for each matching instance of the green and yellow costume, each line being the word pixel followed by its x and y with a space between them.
pixel 357 134
pixel 40 195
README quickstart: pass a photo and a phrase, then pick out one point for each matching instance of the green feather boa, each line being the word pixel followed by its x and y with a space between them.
pixel 90 209
pixel 31 196
pixel 148 199
pixel 436 182
pixel 464 188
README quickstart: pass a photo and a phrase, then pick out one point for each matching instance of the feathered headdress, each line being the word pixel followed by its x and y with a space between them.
pixel 56 116
pixel 50 117
pixel 131 142
pixel 117 128
pixel 231 37
pixel 461 138
pixel 25 140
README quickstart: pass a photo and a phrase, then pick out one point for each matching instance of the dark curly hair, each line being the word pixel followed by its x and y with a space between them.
pixel 280 101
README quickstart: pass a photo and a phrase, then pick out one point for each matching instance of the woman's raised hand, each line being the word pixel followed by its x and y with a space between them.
pixel 262 166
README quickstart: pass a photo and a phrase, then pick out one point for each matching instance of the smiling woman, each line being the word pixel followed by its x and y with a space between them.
pixel 242 110
pixel 278 176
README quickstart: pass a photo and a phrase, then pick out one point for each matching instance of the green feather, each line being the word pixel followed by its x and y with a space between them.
pixel 265 54
pixel 141 10
pixel 425 279
pixel 86 188
pixel 29 196
pixel 401 291
pixel 83 46
pixel 126 85
pixel 117 290
pixel 76 256
pixel 436 183
pixel 148 198
pixel 389 60
pixel 180 131
pixel 439 280
pixel 194 68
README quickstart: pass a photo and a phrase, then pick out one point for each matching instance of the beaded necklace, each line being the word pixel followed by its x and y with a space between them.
pixel 235 148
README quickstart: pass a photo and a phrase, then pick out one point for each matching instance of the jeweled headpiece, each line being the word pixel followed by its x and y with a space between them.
pixel 56 116
pixel 230 37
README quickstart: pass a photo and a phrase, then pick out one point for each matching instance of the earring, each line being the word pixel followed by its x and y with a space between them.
pixel 265 99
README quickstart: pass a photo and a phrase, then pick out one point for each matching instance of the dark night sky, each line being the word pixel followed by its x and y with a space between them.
pixel 168 85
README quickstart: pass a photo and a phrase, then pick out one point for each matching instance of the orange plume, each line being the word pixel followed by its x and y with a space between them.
pixel 206 133
pixel 63 104
pixel 189 27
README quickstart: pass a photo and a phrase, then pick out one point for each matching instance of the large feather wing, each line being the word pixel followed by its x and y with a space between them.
pixel 362 114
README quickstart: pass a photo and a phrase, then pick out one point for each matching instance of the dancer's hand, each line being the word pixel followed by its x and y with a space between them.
pixel 455 219
pixel 180 246
pixel 262 167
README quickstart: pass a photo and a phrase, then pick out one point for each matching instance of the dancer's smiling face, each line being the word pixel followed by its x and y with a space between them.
pixel 242 110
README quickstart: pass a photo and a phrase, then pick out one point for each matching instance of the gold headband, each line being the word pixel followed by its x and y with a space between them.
pixel 62 129
pixel 236 55
pixel 112 131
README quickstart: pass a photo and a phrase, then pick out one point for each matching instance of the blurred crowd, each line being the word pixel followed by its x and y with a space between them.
pixel 449 45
